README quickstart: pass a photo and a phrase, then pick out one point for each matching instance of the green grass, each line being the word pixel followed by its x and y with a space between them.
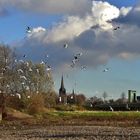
pixel 118 118
pixel 106 114
pixel 102 118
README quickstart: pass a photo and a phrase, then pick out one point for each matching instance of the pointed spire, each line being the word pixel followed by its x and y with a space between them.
pixel 62 90
pixel 62 83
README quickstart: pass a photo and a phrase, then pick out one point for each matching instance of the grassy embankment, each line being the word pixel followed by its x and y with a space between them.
pixel 108 118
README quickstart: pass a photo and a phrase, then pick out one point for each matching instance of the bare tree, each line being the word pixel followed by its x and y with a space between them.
pixel 5 74
pixel 104 96
pixel 80 99
pixel 123 96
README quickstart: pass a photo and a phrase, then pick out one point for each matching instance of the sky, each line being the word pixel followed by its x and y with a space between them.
pixel 87 27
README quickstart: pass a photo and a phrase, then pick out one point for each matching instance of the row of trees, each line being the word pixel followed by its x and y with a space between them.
pixel 93 101
pixel 121 99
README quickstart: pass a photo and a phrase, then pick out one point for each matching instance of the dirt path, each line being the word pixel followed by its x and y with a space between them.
pixel 69 133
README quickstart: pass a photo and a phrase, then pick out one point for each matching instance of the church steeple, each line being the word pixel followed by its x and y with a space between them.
pixel 62 90
pixel 62 83
pixel 62 93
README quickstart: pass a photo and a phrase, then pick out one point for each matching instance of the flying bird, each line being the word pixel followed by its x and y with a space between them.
pixel 42 62
pixel 79 54
pixel 116 28
pixel 24 55
pixel 74 61
pixel 66 46
pixel 46 56
pixel 72 65
pixel 106 70
pixel 48 68
pixel 75 58
pixel 28 29
pixel 83 67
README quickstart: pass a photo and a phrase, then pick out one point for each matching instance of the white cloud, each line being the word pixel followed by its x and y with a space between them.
pixel 37 32
pixel 103 11
pixel 98 45
pixel 125 10
pixel 73 26
pixel 131 15
pixel 70 28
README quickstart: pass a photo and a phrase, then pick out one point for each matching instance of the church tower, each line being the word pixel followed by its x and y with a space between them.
pixel 73 97
pixel 62 93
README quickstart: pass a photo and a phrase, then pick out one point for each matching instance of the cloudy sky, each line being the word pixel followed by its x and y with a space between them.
pixel 87 27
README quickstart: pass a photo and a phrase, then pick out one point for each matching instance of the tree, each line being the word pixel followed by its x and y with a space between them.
pixel 94 101
pixel 50 99
pixel 80 99
pixel 6 58
pixel 21 77
pixel 104 96
pixel 36 104
pixel 123 96
pixel 111 101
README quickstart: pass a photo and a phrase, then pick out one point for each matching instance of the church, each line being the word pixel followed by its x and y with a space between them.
pixel 63 97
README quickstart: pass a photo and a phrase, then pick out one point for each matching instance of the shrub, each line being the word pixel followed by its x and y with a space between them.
pixel 36 104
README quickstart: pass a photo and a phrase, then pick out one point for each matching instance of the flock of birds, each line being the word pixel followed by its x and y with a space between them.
pixel 77 56
pixel 21 72
pixel 74 62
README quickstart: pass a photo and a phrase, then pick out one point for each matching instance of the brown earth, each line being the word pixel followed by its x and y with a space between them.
pixel 20 126
pixel 69 133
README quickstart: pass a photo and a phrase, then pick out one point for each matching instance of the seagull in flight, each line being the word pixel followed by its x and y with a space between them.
pixel 24 55
pixel 116 28
pixel 106 70
pixel 83 67
pixel 48 68
pixel 65 46
pixel 28 29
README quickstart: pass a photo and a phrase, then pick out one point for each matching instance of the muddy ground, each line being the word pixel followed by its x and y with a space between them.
pixel 68 133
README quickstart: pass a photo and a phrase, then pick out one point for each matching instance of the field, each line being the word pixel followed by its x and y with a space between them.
pixel 98 118
pixel 69 133
pixel 71 125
